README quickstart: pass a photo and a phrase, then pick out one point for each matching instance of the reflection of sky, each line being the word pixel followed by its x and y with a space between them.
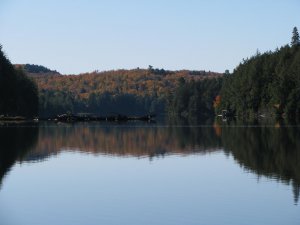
pixel 76 188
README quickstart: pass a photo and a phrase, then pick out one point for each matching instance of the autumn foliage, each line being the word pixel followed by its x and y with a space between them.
pixel 136 91
pixel 139 82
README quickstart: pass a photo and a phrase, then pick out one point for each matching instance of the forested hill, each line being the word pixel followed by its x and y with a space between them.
pixel 36 70
pixel 265 84
pixel 136 91
pixel 140 82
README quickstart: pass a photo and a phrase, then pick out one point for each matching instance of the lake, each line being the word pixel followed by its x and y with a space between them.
pixel 139 173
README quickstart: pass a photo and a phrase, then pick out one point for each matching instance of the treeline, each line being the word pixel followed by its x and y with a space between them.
pixel 32 68
pixel 139 82
pixel 60 102
pixel 265 84
pixel 18 93
pixel 195 98
pixel 136 92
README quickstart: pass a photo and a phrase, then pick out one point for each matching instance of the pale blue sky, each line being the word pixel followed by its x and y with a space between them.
pixel 74 36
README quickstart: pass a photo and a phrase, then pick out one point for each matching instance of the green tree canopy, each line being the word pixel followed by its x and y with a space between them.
pixel 265 84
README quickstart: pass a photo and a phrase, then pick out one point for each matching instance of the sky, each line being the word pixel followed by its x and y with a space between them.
pixel 76 36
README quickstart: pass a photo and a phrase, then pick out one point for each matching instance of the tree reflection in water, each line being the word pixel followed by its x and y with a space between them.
pixel 270 151
pixel 15 144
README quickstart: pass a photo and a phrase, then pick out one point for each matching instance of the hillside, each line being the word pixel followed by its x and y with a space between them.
pixel 137 91
pixel 265 84
pixel 36 70
pixel 140 82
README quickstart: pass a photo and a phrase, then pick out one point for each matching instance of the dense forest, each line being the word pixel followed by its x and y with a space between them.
pixel 195 98
pixel 18 93
pixel 137 91
pixel 266 85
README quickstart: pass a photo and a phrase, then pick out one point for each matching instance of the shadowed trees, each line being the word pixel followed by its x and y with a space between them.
pixel 194 99
pixel 18 93
pixel 266 84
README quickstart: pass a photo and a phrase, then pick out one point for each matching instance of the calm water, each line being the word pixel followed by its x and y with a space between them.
pixel 91 174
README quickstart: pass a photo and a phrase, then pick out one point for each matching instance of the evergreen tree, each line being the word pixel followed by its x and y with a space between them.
pixel 265 84
pixel 195 99
pixel 295 37
pixel 18 93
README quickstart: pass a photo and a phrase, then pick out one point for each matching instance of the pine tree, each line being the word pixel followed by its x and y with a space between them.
pixel 18 93
pixel 295 37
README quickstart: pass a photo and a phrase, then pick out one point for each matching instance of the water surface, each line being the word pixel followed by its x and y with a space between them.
pixel 136 173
